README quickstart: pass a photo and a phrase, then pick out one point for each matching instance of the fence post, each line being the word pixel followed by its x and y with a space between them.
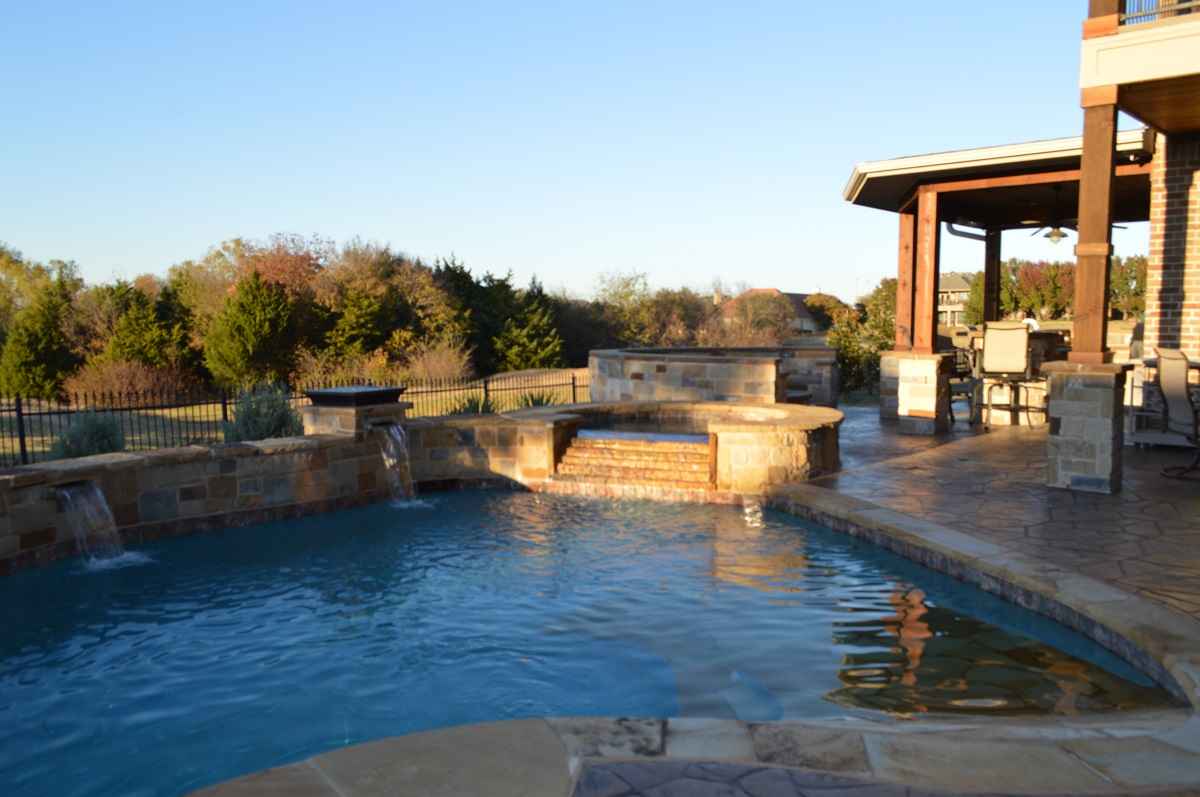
pixel 224 407
pixel 21 432
pixel 485 393
pixel 574 399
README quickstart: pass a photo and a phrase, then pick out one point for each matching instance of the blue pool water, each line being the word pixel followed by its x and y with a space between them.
pixel 227 653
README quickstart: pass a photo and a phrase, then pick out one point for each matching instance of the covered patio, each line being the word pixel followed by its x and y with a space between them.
pixel 980 194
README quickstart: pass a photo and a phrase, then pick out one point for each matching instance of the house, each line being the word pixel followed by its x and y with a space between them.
pixel 804 322
pixel 953 291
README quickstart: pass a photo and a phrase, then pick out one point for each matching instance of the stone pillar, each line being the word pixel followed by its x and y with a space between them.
pixel 1173 271
pixel 915 390
pixel 351 421
pixel 1083 451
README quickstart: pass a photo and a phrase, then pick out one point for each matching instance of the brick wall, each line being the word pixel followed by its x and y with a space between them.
pixel 1173 275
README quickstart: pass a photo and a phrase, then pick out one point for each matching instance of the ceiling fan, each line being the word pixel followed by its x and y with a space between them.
pixel 1055 229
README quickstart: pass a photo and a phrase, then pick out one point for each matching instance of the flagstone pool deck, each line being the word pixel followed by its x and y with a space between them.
pixel 1124 569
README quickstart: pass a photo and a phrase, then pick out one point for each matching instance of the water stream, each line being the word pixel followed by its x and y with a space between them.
pixel 92 521
pixel 393 444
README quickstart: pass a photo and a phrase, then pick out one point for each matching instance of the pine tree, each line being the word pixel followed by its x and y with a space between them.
pixel 252 339
pixel 529 340
pixel 37 354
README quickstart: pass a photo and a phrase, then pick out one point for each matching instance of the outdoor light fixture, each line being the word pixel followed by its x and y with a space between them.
pixel 1055 235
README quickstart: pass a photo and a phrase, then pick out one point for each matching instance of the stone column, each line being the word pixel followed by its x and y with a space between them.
pixel 1083 451
pixel 915 390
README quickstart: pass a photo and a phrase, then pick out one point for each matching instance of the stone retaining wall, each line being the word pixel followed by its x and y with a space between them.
pixel 747 376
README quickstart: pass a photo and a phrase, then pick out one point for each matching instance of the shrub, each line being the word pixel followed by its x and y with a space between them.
pixel 438 360
pixel 102 375
pixel 252 340
pixel 263 413
pixel 89 433
pixel 475 405
pixel 536 400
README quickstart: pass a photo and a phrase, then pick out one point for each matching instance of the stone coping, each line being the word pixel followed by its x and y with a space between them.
pixel 64 471
pixel 1155 753
pixel 722 416
pixel 1068 367
pixel 685 356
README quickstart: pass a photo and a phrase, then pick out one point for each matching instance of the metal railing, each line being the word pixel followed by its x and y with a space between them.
pixel 1139 12
pixel 29 427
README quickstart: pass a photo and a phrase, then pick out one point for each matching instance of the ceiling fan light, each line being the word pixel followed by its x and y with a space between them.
pixel 1055 235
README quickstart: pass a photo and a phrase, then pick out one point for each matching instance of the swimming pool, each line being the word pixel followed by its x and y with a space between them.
pixel 232 652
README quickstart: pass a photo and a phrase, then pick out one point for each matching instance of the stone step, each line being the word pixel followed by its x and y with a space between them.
pixel 639 445
pixel 632 474
pixel 638 459
pixel 676 484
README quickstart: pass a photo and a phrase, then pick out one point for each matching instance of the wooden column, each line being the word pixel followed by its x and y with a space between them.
pixel 1094 252
pixel 905 280
pixel 926 280
pixel 991 275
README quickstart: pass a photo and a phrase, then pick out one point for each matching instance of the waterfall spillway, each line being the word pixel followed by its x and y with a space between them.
pixel 91 520
pixel 393 443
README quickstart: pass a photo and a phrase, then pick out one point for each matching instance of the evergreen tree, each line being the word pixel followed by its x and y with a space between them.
pixel 37 354
pixel 529 340
pixel 252 339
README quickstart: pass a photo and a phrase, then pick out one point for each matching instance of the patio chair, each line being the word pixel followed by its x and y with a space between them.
pixel 1180 412
pixel 1006 361
pixel 966 383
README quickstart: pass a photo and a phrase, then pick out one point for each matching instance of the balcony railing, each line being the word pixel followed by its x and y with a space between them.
pixel 1140 12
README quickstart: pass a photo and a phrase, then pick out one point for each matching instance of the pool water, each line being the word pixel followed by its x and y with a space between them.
pixel 227 653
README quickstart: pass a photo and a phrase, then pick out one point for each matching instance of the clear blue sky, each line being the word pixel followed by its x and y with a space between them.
pixel 685 140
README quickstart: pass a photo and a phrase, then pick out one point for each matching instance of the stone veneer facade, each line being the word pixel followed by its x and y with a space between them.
pixel 1083 451
pixel 749 376
pixel 1173 271
pixel 914 389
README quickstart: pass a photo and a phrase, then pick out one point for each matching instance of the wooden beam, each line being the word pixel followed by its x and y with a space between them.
pixel 905 282
pixel 1103 8
pixel 991 275
pixel 1107 25
pixel 1094 252
pixel 1092 96
pixel 1040 178
pixel 926 280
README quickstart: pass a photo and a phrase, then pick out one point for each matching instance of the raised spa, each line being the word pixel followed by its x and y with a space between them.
pixel 227 653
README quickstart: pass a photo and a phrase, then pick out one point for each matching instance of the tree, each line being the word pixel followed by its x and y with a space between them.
pixel 530 340
pixel 252 340
pixel 20 281
pixel 1127 286
pixel 485 305
pixel 37 355
pixel 859 335
pixel 824 307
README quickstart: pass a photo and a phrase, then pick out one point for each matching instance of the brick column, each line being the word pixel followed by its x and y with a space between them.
pixel 1083 451
pixel 1173 272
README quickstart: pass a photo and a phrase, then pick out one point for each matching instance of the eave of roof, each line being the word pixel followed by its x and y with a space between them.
pixel 1030 156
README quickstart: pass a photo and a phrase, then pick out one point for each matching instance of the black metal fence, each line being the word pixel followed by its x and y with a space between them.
pixel 29 427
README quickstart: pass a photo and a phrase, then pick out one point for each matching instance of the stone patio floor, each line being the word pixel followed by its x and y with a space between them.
pixel 1145 539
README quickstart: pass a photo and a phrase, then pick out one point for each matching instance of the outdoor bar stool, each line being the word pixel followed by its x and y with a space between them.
pixel 1006 361
pixel 1179 410
pixel 966 383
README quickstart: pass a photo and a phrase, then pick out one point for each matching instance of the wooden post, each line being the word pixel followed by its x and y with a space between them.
pixel 1094 252
pixel 926 280
pixel 905 281
pixel 1103 8
pixel 991 275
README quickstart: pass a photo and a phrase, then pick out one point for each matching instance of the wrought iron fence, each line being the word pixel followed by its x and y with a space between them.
pixel 1137 12
pixel 29 426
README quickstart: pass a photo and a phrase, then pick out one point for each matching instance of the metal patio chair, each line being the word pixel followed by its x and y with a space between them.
pixel 1006 361
pixel 1180 412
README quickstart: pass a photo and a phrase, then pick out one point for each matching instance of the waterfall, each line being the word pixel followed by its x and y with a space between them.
pixel 92 521
pixel 393 444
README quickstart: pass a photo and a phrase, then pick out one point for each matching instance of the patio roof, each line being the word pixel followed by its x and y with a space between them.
pixel 1031 184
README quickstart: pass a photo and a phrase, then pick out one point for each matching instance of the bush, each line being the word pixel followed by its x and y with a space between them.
pixel 263 413
pixel 438 360
pixel 474 405
pixel 536 400
pixel 252 339
pixel 89 433
pixel 102 375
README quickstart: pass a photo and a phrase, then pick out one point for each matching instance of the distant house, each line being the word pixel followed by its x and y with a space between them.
pixel 953 291
pixel 804 322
